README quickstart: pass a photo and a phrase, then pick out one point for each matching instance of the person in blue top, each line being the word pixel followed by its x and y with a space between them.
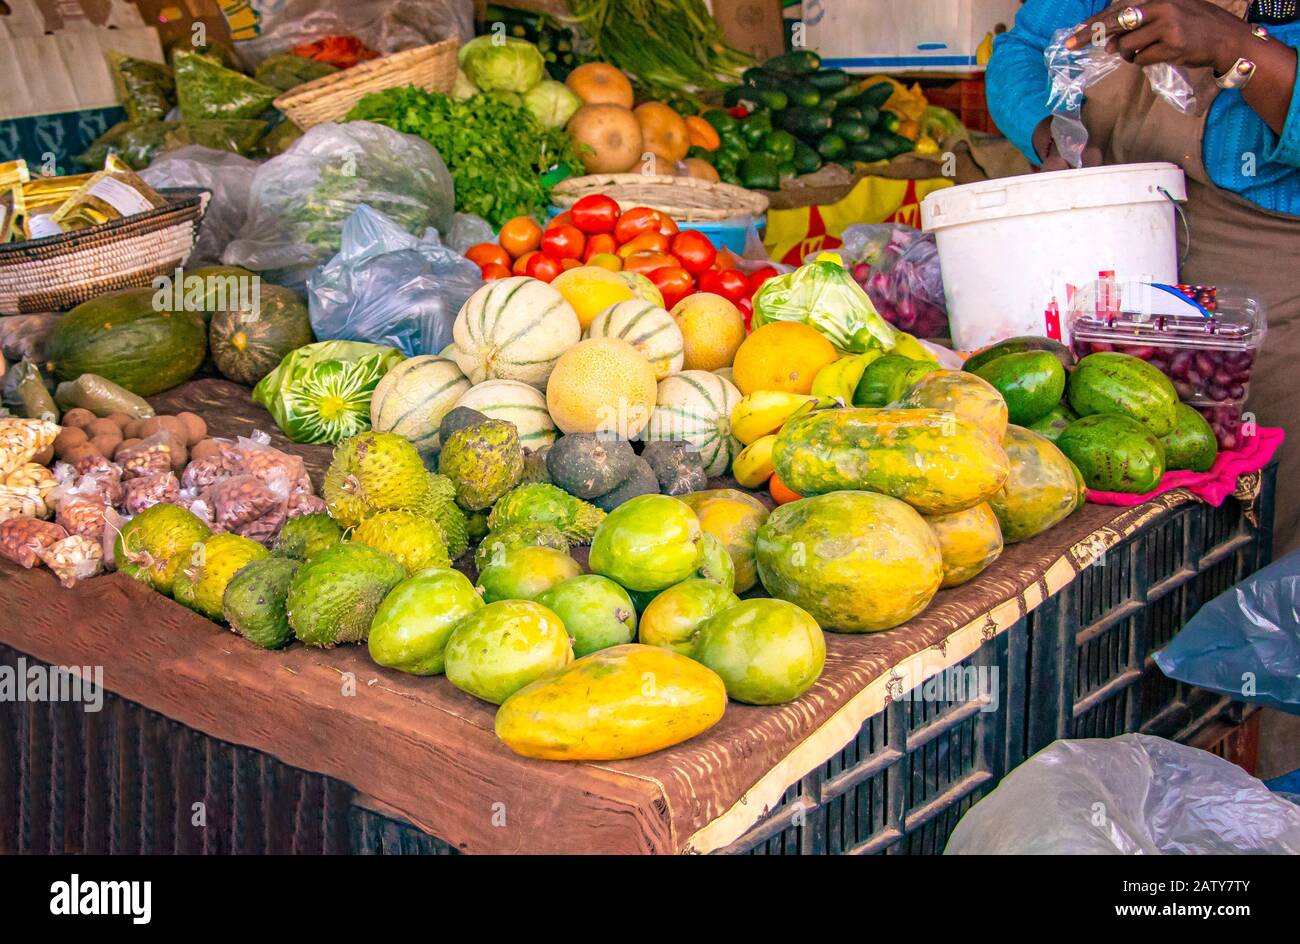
pixel 1239 150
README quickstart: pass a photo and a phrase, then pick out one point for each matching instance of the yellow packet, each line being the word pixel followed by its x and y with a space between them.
pixel 13 174
pixel 47 191
pixel 108 195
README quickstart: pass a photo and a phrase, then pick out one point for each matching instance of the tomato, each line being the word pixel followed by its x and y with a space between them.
pixel 543 267
pixel 673 282
pixel 781 493
pixel 482 254
pixel 563 242
pixel 494 270
pixel 561 219
pixel 747 311
pixel 636 221
pixel 600 244
pixel 667 225
pixel 522 262
pixel 729 283
pixel 606 260
pixel 520 235
pixel 595 213
pixel 694 250
pixel 567 264
pixel 759 276
pixel 647 262
pixel 645 242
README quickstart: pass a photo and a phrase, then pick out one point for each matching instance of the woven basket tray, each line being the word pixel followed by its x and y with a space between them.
pixel 60 272
pixel 329 98
pixel 683 198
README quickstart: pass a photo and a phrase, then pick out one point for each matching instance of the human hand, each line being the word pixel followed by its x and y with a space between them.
pixel 1052 159
pixel 1192 33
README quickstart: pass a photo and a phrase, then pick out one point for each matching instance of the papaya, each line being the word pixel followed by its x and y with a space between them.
pixel 715 562
pixel 856 561
pixel 733 517
pixel 1052 423
pixel 1031 382
pixel 497 650
pixel 1115 453
pixel 411 627
pixel 1040 491
pixel 648 543
pixel 1191 444
pixel 931 459
pixel 966 395
pixel 1017 345
pixel 969 541
pixel 597 612
pixel 673 618
pixel 767 652
pixel 525 573
pixel 620 702
pixel 1110 382
pixel 887 378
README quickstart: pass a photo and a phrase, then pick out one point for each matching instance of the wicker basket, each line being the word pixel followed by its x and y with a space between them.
pixel 59 272
pixel 329 98
pixel 688 199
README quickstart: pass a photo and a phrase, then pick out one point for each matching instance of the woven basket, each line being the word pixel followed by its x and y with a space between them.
pixel 331 97
pixel 688 199
pixel 60 272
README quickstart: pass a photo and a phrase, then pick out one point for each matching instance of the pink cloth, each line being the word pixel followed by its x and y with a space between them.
pixel 1212 486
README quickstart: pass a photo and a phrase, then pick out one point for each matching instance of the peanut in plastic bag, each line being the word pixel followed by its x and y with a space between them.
pixel 254 455
pixel 148 490
pixel 22 539
pixel 74 558
pixel 242 499
pixel 21 439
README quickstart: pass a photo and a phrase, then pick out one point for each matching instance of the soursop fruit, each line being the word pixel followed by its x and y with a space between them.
pixel 153 545
pixel 254 601
pixel 301 537
pixel 439 504
pixel 476 523
pixel 535 467
pixel 548 504
pixel 201 581
pixel 334 596
pixel 415 541
pixel 520 534
pixel 373 472
pixel 485 461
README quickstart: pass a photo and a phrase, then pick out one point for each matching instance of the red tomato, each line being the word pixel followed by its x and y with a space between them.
pixel 493 271
pixel 694 250
pixel 595 213
pixel 567 264
pixel 561 219
pixel 522 262
pixel 543 267
pixel 746 310
pixel 482 254
pixel 520 235
pixel 601 242
pixel 673 282
pixel 645 242
pixel 647 262
pixel 759 276
pixel 729 283
pixel 636 221
pixel 667 225
pixel 563 242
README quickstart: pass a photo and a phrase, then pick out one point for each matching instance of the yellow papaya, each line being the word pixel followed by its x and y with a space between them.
pixel 969 540
pixel 969 397
pixel 733 517
pixel 1041 490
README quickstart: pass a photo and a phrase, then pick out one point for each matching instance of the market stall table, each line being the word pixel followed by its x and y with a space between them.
pixel 425 752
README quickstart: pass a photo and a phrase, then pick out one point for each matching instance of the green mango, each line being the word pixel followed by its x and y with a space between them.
pixel 1032 383
pixel 497 650
pixel 767 652
pixel 888 378
pixel 673 618
pixel 648 543
pixel 525 573
pixel 411 628
pixel 597 612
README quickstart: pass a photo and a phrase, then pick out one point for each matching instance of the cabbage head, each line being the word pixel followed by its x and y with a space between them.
pixel 502 64
pixel 552 103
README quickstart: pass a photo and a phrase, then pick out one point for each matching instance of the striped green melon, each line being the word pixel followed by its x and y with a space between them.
pixel 516 403
pixel 648 328
pixel 695 406
pixel 414 396
pixel 514 329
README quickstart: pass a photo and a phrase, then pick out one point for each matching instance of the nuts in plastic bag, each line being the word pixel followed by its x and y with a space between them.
pixel 21 503
pixel 22 539
pixel 304 503
pixel 74 558
pixel 22 439
pixel 254 455
pixel 83 515
pixel 149 490
pixel 149 457
pixel 201 473
pixel 242 499
pixel 32 475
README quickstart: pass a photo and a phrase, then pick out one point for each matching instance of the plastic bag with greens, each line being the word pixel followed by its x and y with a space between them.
pixel 24 392
pixel 146 89
pixel 823 295
pixel 137 144
pixel 285 70
pixel 205 89
pixel 514 65
pixel 321 392
pixel 301 199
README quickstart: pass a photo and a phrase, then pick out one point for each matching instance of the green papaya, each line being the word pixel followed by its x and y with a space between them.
pixel 1032 383
pixel 1114 452
pixel 1109 382
pixel 525 573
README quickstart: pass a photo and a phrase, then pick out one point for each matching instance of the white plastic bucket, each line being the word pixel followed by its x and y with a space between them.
pixel 1011 247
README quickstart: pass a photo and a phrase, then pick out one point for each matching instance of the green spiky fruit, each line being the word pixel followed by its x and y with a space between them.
pixel 334 595
pixel 485 461
pixel 520 534
pixel 548 504
pixel 306 535
pixel 535 467
pixel 373 472
pixel 254 601
pixel 476 523
pixel 415 541
pixel 201 581
pixel 152 546
pixel 439 504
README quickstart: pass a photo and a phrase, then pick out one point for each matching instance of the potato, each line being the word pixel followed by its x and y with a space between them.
pixel 149 427
pixel 78 417
pixel 195 428
pixel 104 445
pixel 104 427
pixel 77 453
pixel 174 426
pixel 69 438
pixel 45 456
pixel 132 429
pixel 122 420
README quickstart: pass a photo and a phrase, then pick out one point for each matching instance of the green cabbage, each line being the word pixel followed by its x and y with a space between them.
pixel 502 64
pixel 823 295
pixel 552 103
pixel 463 88
pixel 321 392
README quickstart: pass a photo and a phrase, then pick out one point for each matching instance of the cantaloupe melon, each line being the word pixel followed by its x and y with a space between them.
pixel 602 385
pixel 514 329
pixel 648 328
pixel 713 329
pixel 695 406
pixel 414 396
pixel 517 403
pixel 607 138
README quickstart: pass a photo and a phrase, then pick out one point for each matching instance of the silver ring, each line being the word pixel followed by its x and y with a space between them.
pixel 1130 18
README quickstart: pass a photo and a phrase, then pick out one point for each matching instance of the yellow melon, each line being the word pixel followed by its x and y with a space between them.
pixel 713 330
pixel 591 289
pixel 602 385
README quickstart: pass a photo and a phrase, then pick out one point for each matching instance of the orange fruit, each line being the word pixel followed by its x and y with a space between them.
pixel 783 355
pixel 712 329
pixel 780 492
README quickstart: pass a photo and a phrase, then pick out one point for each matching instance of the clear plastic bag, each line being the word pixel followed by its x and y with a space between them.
pixel 388 287
pixel 1245 643
pixel 145 491
pixel 823 295
pixel 22 539
pixel 145 89
pixel 301 199
pixel 898 267
pixel 1130 795
pixel 230 179
pixel 208 90
pixel 254 455
pixel 74 558
pixel 1072 71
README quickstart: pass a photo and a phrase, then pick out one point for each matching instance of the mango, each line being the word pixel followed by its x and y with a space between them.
pixel 648 543
pixel 411 627
pixel 673 618
pixel 497 650
pixel 597 612
pixel 767 652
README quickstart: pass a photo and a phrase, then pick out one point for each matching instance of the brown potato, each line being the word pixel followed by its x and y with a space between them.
pixel 78 417
pixel 45 456
pixel 122 420
pixel 149 427
pixel 69 438
pixel 103 427
pixel 174 426
pixel 195 428
pixel 124 445
pixel 77 453
pixel 104 445
pixel 132 429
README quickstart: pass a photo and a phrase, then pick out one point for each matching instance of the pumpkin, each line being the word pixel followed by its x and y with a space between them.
pixel 695 406
pixel 514 329
pixel 517 403
pixel 414 396
pixel 249 345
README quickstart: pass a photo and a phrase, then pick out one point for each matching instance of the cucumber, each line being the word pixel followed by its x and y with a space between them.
pixel 831 146
pixel 847 113
pixel 757 77
pixel 796 62
pixel 771 98
pixel 853 132
pixel 894 144
pixel 868 151
pixel 802 94
pixel 870 114
pixel 806 160
pixel 830 80
pixel 876 95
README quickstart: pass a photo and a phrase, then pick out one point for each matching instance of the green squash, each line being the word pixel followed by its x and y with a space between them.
pixel 247 346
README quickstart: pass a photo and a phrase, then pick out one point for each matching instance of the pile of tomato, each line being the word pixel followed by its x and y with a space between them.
pixel 596 232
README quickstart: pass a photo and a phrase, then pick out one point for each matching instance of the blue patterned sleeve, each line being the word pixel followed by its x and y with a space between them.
pixel 1287 150
pixel 1016 81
